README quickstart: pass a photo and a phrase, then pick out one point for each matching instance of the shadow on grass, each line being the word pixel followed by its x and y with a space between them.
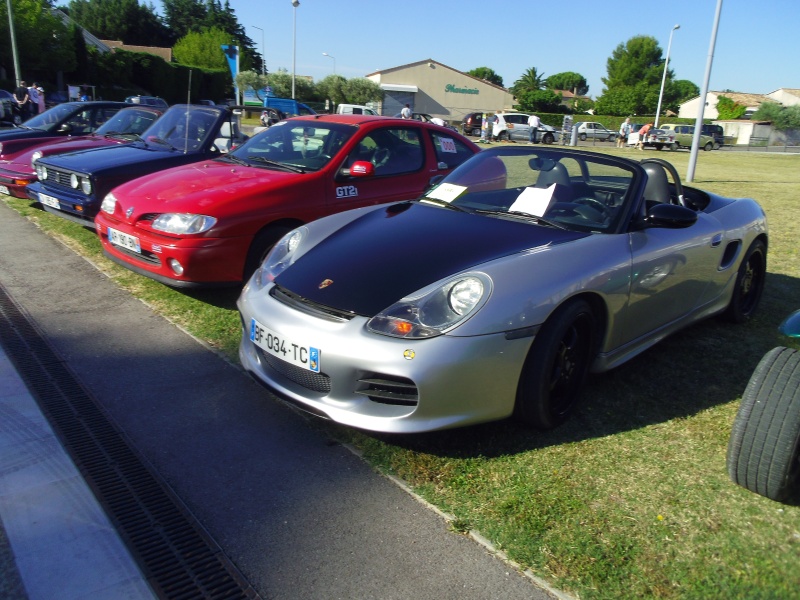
pixel 223 297
pixel 703 366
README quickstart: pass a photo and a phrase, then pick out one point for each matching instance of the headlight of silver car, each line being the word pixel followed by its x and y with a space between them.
pixel 183 223
pixel 434 310
pixel 109 204
pixel 281 256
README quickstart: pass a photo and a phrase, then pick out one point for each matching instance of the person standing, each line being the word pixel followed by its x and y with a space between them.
pixel 624 131
pixel 33 95
pixel 643 133
pixel 23 100
pixel 533 128
pixel 42 105
pixel 406 112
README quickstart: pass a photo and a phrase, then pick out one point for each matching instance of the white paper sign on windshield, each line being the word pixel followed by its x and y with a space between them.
pixel 446 192
pixel 533 201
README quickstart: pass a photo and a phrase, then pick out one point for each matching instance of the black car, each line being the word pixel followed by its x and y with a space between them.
pixel 471 124
pixel 70 118
pixel 9 109
pixel 74 185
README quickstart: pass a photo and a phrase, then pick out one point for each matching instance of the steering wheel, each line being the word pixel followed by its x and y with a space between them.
pixel 380 157
pixel 593 203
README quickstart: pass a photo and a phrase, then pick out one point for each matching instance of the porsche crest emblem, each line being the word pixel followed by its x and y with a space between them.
pixel 129 212
pixel 325 283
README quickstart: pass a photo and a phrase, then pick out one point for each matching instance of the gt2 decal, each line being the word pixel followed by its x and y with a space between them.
pixel 347 191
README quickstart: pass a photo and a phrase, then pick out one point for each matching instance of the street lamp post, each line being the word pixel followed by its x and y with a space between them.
pixel 263 50
pixel 664 77
pixel 295 4
pixel 334 61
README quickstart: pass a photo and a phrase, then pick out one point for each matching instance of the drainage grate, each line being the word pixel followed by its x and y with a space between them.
pixel 179 559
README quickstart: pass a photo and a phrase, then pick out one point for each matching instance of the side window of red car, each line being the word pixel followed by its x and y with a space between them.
pixel 449 150
pixel 392 151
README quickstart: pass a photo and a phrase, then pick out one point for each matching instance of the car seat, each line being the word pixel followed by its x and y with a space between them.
pixel 224 141
pixel 656 190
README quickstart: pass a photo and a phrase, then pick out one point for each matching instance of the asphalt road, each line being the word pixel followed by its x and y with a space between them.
pixel 299 515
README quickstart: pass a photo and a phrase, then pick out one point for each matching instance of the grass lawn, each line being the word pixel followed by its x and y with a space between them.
pixel 630 498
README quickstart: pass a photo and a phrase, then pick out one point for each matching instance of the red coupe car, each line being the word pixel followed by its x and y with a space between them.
pixel 125 126
pixel 211 223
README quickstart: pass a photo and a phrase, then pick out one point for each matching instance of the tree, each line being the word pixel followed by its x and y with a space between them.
pixel 539 101
pixel 43 41
pixel 573 82
pixel 203 49
pixel 486 74
pixel 253 80
pixel 633 83
pixel 124 20
pixel 530 81
pixel 184 16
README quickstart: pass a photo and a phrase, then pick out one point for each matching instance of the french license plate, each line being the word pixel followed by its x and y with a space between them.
pixel 124 240
pixel 4 190
pixel 49 201
pixel 305 357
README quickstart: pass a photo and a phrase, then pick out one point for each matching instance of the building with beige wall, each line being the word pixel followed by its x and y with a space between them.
pixel 441 91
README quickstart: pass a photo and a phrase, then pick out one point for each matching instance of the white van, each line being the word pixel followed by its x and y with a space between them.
pixel 354 109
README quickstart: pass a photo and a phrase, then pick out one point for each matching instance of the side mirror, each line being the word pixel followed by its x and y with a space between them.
pixel 670 216
pixel 360 168
pixel 65 128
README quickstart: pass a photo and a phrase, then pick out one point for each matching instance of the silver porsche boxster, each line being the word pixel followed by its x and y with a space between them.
pixel 497 291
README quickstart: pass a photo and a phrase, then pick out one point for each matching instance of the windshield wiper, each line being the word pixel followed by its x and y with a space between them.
pixel 521 215
pixel 443 203
pixel 158 140
pixel 273 163
pixel 234 158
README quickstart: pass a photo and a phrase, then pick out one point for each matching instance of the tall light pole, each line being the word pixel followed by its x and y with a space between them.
pixel 334 61
pixel 263 50
pixel 698 124
pixel 15 56
pixel 664 77
pixel 295 4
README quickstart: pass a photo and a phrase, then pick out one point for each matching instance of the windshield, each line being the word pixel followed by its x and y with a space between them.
pixel 573 190
pixel 185 128
pixel 51 117
pixel 297 145
pixel 128 120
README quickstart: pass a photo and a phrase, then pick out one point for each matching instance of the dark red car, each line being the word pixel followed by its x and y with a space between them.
pixel 124 127
pixel 211 223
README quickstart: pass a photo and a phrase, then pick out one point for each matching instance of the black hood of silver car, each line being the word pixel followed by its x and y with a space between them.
pixel 379 258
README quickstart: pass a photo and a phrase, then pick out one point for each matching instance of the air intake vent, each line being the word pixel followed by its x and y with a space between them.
pixel 397 391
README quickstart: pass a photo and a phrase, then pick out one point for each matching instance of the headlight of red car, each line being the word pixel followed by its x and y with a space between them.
pixel 183 223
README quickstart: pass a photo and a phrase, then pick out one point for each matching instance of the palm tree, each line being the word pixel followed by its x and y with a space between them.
pixel 529 82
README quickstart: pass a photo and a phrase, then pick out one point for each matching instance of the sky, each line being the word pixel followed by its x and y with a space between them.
pixel 757 48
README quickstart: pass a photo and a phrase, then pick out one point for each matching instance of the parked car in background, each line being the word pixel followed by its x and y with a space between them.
pixel 597 131
pixel 355 109
pixel 471 124
pixel 73 185
pixel 148 101
pixel 684 135
pixel 530 266
pixel 58 122
pixel 426 118
pixel 9 109
pixel 124 127
pixel 212 223
pixel 514 127
pixel 656 138
pixel 764 447
pixel 716 132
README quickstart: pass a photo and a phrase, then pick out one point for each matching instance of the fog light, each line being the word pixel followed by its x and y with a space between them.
pixel 176 267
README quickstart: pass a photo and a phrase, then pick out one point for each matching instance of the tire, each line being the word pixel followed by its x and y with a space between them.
pixel 262 244
pixel 556 366
pixel 708 147
pixel 583 137
pixel 764 448
pixel 476 132
pixel 659 146
pixel 548 138
pixel 749 284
